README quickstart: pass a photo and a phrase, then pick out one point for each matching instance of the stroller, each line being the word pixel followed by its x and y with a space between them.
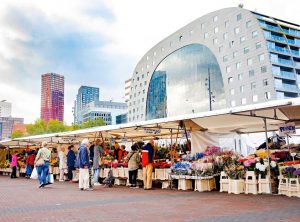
pixel 109 180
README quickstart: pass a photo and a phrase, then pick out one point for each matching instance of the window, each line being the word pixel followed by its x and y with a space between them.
pixel 261 57
pixel 225 58
pixel 232 103
pixel 231 44
pixel 246 50
pixel 228 69
pixel 230 80
pixel 265 82
pixel 180 38
pixel 202 26
pixel 191 32
pixel 242 88
pixel 263 69
pixel 238 65
pixel 248 24
pixel 249 62
pixel 216 30
pixel 253 85
pixel 215 41
pixel 153 63
pixel 237 30
pixel 154 53
pixel 240 76
pixel 267 95
pixel 254 98
pixel 205 35
pixel 254 34
pixel 239 17
pixel 145 83
pixel 231 91
pixel 234 54
pixel 242 39
pixel 258 45
pixel 244 101
pixel 143 76
pixel 221 48
pixel 215 18
pixel 226 24
pixel 225 36
pixel 251 73
pixel 162 49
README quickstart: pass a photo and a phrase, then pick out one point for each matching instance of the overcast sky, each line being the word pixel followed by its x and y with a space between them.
pixel 93 42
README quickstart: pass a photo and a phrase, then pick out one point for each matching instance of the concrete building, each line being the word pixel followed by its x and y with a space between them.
pixel 127 90
pixel 6 126
pixel 230 57
pixel 5 109
pixel 52 97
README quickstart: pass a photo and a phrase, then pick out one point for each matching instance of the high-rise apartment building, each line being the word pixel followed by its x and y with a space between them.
pixel 127 90
pixel 52 97
pixel 230 57
pixel 5 109
pixel 6 126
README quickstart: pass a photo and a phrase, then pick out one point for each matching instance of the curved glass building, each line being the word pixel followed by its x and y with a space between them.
pixel 227 58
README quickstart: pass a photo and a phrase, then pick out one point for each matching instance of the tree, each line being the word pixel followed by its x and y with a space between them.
pixel 17 134
pixel 55 126
pixel 39 127
pixel 92 123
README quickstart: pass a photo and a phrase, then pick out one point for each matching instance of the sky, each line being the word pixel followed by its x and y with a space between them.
pixel 93 42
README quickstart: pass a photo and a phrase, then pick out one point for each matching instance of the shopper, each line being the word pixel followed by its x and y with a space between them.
pixel 133 159
pixel 98 154
pixel 83 164
pixel 71 162
pixel 8 157
pixel 147 160
pixel 30 163
pixel 42 162
pixel 62 163
pixel 14 164
pixel 116 151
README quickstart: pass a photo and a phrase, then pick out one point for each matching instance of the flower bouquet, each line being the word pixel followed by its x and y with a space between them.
pixel 289 172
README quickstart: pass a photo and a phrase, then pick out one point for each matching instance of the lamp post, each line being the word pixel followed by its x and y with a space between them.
pixel 211 97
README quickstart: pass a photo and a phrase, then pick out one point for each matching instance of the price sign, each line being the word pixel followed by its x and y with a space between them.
pixel 152 131
pixel 287 129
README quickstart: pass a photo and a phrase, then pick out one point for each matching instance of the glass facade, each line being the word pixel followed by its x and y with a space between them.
pixel 179 84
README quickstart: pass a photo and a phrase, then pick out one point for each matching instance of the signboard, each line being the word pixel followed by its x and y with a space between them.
pixel 124 139
pixel 287 129
pixel 152 131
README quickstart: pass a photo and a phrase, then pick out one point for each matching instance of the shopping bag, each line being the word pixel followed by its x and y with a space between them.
pixel 51 178
pixel 34 174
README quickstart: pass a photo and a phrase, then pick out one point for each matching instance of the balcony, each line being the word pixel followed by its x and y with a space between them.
pixel 287 87
pixel 292 31
pixel 278 49
pixel 282 61
pixel 284 74
pixel 271 27
pixel 294 42
pixel 295 52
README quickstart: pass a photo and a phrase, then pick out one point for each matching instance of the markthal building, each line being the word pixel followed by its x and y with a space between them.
pixel 227 58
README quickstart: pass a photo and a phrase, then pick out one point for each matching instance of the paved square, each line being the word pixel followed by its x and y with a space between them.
pixel 21 200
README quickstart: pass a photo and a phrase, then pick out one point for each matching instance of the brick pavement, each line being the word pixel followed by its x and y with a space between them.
pixel 21 200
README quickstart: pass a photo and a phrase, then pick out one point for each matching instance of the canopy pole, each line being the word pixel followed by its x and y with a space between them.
pixel 268 154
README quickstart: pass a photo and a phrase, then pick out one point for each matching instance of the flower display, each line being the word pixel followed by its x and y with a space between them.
pixel 288 172
pixel 212 150
pixel 296 173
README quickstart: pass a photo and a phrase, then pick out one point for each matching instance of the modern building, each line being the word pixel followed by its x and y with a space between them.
pixel 5 109
pixel 230 57
pixel 86 95
pixel 122 118
pixel 107 110
pixel 6 126
pixel 52 97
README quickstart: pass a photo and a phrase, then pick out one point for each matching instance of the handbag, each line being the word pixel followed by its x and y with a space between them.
pixel 34 174
pixel 40 162
pixel 51 178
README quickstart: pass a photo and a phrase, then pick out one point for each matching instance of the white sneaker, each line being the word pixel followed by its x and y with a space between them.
pixel 97 184
pixel 89 189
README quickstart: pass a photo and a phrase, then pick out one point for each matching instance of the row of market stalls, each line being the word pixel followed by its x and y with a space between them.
pixel 207 145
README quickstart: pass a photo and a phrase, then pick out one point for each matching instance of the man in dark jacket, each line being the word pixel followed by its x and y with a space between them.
pixel 83 163
pixel 147 160
pixel 71 162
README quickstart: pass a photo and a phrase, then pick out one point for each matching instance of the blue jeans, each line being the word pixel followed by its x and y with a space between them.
pixel 96 175
pixel 43 172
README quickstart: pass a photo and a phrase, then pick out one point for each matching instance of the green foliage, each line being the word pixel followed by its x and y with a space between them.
pixel 39 127
pixel 93 123
pixel 17 134
pixel 55 126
